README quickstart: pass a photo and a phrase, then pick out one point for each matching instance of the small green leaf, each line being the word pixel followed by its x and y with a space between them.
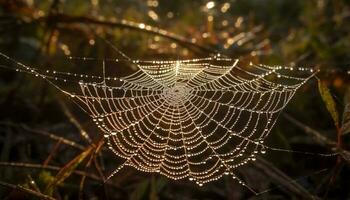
pixel 329 101
pixel 44 179
pixel 345 128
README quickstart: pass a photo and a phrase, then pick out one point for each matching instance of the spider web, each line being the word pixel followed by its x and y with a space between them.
pixel 198 119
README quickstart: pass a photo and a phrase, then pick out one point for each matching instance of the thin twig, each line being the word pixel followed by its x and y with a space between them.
pixel 308 130
pixel 55 168
pixel 278 176
pixel 32 183
pixel 74 121
pixel 66 19
pixel 26 190
pixel 82 181
pixel 45 133
pixel 322 140
pixel 53 152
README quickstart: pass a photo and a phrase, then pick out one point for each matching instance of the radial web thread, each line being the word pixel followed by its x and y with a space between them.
pixel 197 119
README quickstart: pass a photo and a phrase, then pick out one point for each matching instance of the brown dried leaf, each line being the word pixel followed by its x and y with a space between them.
pixel 68 169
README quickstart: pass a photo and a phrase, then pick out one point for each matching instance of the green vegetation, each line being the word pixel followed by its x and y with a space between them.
pixel 49 149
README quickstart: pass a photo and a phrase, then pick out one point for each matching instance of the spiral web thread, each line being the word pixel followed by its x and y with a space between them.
pixel 197 119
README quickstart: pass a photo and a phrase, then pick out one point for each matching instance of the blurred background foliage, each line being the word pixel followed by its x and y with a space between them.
pixel 50 149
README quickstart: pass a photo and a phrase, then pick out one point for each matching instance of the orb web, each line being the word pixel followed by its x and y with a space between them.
pixel 198 119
